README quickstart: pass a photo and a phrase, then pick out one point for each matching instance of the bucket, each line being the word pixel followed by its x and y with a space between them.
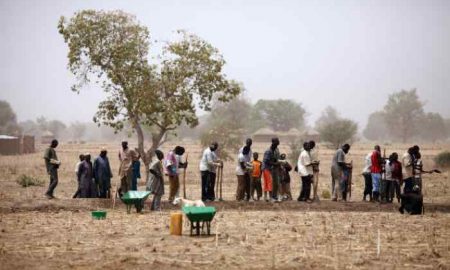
pixel 176 223
pixel 98 214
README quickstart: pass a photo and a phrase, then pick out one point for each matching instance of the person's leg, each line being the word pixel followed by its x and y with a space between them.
pixel 366 185
pixel 240 188
pixel 258 188
pixel 211 187
pixel 408 185
pixel 53 182
pixel 376 186
pixel 308 182
pixel 397 190
pixel 204 176
pixel 253 187
pixel 247 184
pixel 172 188
pixel 303 189
pixel 275 184
pixel 158 203
pixel 267 184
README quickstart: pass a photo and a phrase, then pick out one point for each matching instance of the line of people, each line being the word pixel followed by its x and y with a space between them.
pixel 268 179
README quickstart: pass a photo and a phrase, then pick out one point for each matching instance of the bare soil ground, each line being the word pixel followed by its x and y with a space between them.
pixel 36 233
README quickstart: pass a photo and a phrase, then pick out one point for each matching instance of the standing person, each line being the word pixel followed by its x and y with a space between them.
pixel 155 181
pixel 285 179
pixel 271 168
pixel 172 164
pixel 52 165
pixel 408 172
pixel 256 178
pixel 103 174
pixel 88 188
pixel 376 170
pixel 367 176
pixel 305 169
pixel 338 166
pixel 248 161
pixel 314 153
pixel 393 175
pixel 77 168
pixel 208 165
pixel 242 173
pixel 126 157
pixel 136 171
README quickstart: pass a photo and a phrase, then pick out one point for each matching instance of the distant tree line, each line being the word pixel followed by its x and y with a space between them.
pixel 403 119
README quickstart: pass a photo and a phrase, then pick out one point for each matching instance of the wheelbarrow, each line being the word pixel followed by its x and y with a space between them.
pixel 136 198
pixel 199 216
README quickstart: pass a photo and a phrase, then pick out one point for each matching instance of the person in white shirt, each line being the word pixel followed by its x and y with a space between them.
pixel 242 172
pixel 208 165
pixel 367 176
pixel 305 169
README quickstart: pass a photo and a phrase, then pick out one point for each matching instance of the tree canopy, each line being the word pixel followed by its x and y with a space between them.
pixel 112 47
pixel 226 125
pixel 403 112
pixel 335 129
pixel 279 115
pixel 8 119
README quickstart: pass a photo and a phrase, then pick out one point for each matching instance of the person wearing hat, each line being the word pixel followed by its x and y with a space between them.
pixel 103 174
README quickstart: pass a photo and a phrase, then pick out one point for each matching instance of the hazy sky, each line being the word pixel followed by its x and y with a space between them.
pixel 347 54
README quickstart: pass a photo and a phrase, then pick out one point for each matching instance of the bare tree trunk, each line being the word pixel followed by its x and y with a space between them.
pixel 141 149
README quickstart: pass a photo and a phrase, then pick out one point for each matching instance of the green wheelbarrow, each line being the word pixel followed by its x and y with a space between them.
pixel 136 198
pixel 199 216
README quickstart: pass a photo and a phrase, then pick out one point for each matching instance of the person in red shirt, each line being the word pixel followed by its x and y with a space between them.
pixel 376 170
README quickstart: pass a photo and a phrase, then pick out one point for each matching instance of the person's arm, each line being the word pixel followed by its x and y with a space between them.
pixel 260 169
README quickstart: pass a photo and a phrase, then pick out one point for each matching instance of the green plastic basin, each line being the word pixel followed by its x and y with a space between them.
pixel 99 214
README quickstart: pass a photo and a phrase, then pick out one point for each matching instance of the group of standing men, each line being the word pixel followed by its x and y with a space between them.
pixel 383 176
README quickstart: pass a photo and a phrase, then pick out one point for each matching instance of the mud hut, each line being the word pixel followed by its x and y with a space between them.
pixel 12 145
pixel 311 134
pixel 264 135
pixel 9 145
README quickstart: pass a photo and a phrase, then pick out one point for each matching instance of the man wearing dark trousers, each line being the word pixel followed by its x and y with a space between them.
pixel 52 164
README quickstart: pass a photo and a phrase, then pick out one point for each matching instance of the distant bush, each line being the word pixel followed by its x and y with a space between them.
pixel 443 159
pixel 26 181
pixel 326 194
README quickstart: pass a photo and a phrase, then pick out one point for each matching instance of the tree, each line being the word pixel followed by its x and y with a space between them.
pixel 54 126
pixel 328 116
pixel 280 114
pixel 227 125
pixel 376 128
pixel 77 130
pixel 403 113
pixel 112 47
pixel 8 120
pixel 432 127
pixel 334 129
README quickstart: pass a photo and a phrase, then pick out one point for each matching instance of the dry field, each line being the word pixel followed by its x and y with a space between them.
pixel 36 233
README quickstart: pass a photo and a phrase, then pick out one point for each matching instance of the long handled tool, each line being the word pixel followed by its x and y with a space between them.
pixel 350 172
pixel 219 183
pixel 184 178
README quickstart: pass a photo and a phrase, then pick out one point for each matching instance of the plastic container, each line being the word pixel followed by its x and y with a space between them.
pixel 176 223
pixel 99 214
